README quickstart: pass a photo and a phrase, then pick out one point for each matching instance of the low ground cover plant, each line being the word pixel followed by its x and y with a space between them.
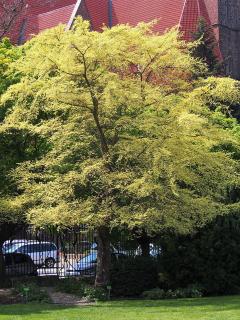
pixel 31 292
pixel 81 288
pixel 189 292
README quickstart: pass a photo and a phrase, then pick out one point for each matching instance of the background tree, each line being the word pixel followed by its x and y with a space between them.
pixel 9 12
pixel 207 49
pixel 15 147
pixel 127 138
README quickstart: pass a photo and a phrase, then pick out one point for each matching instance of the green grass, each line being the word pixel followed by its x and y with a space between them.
pixel 221 308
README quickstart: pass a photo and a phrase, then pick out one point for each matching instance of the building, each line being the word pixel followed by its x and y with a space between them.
pixel 222 15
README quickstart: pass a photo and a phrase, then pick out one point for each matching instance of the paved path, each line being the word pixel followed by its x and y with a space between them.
pixel 66 298
pixel 7 296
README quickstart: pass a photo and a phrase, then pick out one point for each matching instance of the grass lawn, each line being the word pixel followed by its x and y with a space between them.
pixel 221 308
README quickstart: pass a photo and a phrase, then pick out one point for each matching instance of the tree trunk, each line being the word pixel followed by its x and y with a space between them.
pixel 145 248
pixel 144 242
pixel 103 257
pixel 2 268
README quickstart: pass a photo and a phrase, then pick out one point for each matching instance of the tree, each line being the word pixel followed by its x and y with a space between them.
pixel 9 12
pixel 8 54
pixel 207 48
pixel 15 146
pixel 128 139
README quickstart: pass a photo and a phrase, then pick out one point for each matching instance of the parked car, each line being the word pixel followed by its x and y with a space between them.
pixel 87 265
pixel 9 243
pixel 18 264
pixel 154 250
pixel 41 253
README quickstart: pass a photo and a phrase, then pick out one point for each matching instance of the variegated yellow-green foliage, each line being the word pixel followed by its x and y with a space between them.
pixel 8 54
pixel 9 144
pixel 129 136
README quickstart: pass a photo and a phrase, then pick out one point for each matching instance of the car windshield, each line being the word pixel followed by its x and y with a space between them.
pixel 13 247
pixel 7 246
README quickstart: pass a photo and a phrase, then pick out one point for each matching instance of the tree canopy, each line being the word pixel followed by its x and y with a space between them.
pixel 11 151
pixel 128 135
pixel 120 132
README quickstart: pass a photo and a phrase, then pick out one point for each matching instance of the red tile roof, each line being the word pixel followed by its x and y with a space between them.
pixel 189 17
pixel 168 12
pixel 40 15
pixel 98 13
pixel 27 23
pixel 48 20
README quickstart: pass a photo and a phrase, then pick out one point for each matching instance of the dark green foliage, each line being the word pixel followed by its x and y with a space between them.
pixel 35 293
pixel 131 276
pixel 207 49
pixel 189 292
pixel 154 294
pixel 211 257
pixel 81 288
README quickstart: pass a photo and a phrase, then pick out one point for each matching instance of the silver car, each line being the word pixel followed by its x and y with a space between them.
pixel 41 253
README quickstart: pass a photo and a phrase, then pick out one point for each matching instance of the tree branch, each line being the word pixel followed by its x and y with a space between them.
pixel 9 12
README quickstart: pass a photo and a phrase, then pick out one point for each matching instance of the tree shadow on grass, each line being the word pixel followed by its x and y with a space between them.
pixel 29 308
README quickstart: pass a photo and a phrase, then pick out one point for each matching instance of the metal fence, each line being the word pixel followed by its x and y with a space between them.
pixel 62 253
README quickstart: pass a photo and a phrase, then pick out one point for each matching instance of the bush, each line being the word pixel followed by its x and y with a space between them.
pixel 131 276
pixel 34 293
pixel 210 257
pixel 82 289
pixel 72 285
pixel 189 292
pixel 92 294
pixel 154 294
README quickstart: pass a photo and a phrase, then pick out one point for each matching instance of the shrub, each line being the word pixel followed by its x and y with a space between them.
pixel 131 276
pixel 210 257
pixel 154 294
pixel 71 285
pixel 92 293
pixel 157 293
pixel 34 293
pixel 82 289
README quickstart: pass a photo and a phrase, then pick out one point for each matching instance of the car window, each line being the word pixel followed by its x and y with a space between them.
pixel 37 247
pixel 7 246
pixel 47 247
pixel 13 248
pixel 52 247
pixel 23 249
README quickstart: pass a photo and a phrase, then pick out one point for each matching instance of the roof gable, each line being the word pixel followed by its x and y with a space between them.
pixel 52 18
pixel 40 15
pixel 168 12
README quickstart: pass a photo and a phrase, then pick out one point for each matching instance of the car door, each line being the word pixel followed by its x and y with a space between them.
pixel 21 266
pixel 32 251
pixel 38 253
pixel 50 251
pixel 44 251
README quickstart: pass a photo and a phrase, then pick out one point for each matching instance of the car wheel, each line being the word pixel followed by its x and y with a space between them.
pixel 49 262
